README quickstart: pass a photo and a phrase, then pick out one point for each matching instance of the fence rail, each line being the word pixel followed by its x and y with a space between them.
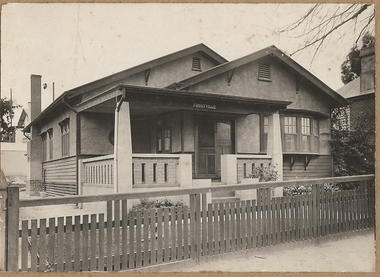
pixel 122 239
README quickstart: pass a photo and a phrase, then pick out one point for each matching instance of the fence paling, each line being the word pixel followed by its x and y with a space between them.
pixel 213 229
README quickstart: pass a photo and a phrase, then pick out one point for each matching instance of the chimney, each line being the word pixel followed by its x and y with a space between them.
pixel 35 97
pixel 367 76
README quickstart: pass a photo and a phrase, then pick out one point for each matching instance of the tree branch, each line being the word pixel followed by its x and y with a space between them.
pixel 361 10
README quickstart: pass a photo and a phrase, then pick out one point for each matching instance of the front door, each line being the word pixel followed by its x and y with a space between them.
pixel 214 140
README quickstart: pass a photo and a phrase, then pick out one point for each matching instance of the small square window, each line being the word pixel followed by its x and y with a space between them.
pixel 196 66
pixel 264 72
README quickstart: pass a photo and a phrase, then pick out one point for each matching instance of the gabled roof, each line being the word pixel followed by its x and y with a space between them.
pixel 21 120
pixel 116 77
pixel 352 89
pixel 272 51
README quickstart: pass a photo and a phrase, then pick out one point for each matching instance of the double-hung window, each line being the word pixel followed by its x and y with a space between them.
pixel 264 122
pixel 65 137
pixel 300 134
pixel 164 140
pixel 306 134
pixel 50 138
pixel 44 146
pixel 290 133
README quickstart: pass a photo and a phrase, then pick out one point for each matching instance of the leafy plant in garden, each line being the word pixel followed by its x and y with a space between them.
pixel 7 113
pixel 353 151
pixel 265 174
pixel 155 204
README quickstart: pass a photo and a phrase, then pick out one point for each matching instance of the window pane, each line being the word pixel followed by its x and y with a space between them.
pixel 211 164
pixel 305 123
pixel 290 125
pixel 206 134
pixel 167 144
pixel 315 127
pixel 306 143
pixel 159 143
pixel 290 142
pixel 202 164
pixel 266 124
pixel 265 143
pixel 223 131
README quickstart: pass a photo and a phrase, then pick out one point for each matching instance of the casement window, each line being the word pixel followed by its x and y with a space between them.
pixel 44 146
pixel 50 138
pixel 264 72
pixel 65 137
pixel 264 126
pixel 300 134
pixel 164 141
pixel 196 65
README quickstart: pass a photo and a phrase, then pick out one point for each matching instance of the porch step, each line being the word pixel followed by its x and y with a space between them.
pixel 225 199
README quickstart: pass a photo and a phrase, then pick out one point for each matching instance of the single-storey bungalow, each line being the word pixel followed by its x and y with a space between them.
pixel 179 120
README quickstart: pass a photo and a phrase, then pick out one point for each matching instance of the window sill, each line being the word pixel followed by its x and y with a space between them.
pixel 265 79
pixel 301 153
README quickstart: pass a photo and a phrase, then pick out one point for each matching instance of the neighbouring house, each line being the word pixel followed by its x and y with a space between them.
pixel 360 93
pixel 182 120
pixel 14 162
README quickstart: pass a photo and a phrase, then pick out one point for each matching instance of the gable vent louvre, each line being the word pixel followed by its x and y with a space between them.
pixel 196 64
pixel 264 72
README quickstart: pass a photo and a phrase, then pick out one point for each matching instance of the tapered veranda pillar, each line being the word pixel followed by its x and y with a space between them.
pixel 275 144
pixel 123 148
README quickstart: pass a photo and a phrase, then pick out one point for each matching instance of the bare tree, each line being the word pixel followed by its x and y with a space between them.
pixel 322 20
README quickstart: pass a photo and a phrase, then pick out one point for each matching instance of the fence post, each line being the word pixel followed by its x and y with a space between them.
pixel 315 222
pixel 81 180
pixel 3 223
pixel 13 227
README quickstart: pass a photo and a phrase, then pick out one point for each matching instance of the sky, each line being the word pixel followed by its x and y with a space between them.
pixel 73 44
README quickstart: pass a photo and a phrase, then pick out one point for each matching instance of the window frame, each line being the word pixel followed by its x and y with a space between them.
pixel 306 134
pixel 65 137
pixel 291 132
pixel 263 133
pixel 50 143
pixel 301 132
pixel 44 137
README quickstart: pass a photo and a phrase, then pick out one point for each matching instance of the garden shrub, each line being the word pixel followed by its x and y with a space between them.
pixel 156 204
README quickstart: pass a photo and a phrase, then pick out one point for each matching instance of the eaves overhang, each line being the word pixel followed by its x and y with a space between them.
pixel 280 104
pixel 46 111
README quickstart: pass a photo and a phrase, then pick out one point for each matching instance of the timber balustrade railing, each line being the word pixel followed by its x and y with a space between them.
pixel 148 170
pixel 123 239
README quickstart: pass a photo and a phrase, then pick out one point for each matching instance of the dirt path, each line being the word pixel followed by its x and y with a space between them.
pixel 354 254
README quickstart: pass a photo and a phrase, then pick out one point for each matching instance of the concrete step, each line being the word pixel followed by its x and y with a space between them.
pixel 225 199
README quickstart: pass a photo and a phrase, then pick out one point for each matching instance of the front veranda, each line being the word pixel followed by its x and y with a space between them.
pixel 164 139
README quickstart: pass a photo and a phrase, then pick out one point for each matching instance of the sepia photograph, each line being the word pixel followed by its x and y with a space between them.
pixel 188 137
